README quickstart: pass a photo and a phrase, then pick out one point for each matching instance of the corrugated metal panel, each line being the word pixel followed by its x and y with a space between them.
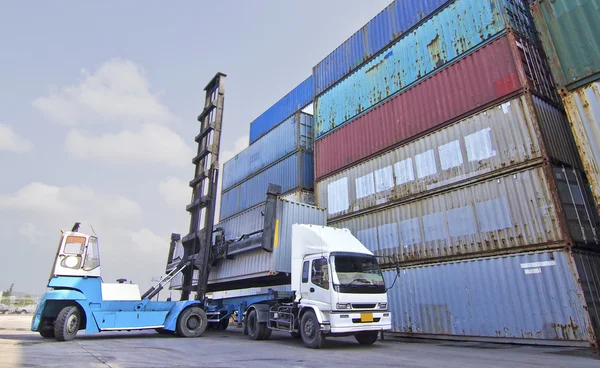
pixel 588 268
pixel 498 138
pixel 297 99
pixel 558 138
pixel 293 172
pixel 294 133
pixel 454 31
pixel 583 109
pixel 262 263
pixel 483 77
pixel 532 296
pixel 392 22
pixel 245 222
pixel 498 215
pixel 570 34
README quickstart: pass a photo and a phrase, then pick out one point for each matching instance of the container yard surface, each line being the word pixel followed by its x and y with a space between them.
pixel 20 347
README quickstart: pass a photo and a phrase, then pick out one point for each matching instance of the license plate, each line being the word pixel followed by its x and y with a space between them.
pixel 366 317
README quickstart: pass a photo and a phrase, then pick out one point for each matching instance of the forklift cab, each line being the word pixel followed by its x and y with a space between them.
pixel 79 256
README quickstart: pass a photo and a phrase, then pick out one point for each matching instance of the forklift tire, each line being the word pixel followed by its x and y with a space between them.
pixel 256 330
pixel 47 332
pixel 310 328
pixel 192 322
pixel 67 323
pixel 367 337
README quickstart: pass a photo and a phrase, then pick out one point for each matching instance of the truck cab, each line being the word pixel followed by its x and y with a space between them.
pixel 338 290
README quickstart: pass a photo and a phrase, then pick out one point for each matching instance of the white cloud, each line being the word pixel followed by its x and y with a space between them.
pixel 78 203
pixel 12 142
pixel 118 92
pixel 152 143
pixel 238 145
pixel 175 192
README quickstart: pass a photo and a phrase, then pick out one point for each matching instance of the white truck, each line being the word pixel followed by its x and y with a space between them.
pixel 337 289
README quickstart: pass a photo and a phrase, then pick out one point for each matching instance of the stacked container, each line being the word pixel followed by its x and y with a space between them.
pixel 570 34
pixel 448 151
pixel 281 153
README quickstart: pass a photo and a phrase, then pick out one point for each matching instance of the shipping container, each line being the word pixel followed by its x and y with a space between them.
pixel 497 139
pixel 292 173
pixel 258 263
pixel 397 20
pixel 296 100
pixel 294 133
pixel 491 74
pixel 302 196
pixel 532 298
pixel 570 34
pixel 583 109
pixel 460 27
pixel 500 215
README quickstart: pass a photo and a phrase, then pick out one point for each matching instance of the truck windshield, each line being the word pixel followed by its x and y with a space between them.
pixel 358 274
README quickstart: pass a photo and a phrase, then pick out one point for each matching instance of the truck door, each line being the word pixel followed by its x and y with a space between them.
pixel 320 284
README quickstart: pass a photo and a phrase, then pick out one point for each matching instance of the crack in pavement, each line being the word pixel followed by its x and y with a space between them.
pixel 92 354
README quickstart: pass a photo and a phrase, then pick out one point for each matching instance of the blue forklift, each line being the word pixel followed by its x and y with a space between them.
pixel 80 300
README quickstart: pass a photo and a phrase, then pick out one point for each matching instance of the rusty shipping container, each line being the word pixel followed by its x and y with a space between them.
pixel 495 72
pixel 498 139
pixel 547 297
pixel 459 27
pixel 538 207
pixel 583 109
pixel 570 34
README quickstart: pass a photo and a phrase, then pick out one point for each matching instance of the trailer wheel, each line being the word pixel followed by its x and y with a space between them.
pixel 67 323
pixel 311 331
pixel 256 330
pixel 366 337
pixel 192 322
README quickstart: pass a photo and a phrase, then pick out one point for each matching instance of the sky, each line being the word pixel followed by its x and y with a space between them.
pixel 99 107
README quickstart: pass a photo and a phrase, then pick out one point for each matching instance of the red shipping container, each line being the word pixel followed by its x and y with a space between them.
pixel 498 70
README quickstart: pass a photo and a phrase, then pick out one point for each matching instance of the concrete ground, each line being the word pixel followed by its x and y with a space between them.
pixel 20 347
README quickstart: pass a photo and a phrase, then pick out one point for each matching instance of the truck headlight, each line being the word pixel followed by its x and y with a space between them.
pixel 382 305
pixel 342 306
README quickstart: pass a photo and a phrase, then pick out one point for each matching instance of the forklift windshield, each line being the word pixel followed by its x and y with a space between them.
pixel 357 274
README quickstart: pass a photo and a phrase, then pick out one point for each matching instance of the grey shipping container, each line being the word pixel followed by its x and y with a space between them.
pixel 258 264
pixel 499 139
pixel 548 297
pixel 506 214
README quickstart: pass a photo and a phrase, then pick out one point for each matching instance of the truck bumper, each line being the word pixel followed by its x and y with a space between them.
pixel 353 321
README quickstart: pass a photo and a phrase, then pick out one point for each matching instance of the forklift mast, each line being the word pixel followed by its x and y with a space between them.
pixel 197 245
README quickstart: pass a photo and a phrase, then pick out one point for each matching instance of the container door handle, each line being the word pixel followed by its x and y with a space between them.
pixel 312 289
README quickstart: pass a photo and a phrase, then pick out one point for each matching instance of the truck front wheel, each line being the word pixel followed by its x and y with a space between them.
pixel 366 337
pixel 310 329
pixel 67 323
pixel 192 322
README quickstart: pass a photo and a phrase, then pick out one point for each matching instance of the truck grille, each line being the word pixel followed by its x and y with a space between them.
pixel 363 306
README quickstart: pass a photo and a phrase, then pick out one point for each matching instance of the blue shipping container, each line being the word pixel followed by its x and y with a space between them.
pixel 297 99
pixel 392 22
pixel 533 296
pixel 455 30
pixel 294 133
pixel 294 172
